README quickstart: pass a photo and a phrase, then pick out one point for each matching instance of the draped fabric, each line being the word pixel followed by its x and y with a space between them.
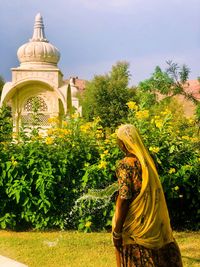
pixel 147 222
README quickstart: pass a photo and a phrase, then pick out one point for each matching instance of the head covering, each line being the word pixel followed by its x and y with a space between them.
pixel 147 222
pixel 132 140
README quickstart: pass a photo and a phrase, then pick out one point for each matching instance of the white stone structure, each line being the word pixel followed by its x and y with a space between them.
pixel 38 81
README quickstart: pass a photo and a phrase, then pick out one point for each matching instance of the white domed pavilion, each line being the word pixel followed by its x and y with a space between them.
pixel 38 79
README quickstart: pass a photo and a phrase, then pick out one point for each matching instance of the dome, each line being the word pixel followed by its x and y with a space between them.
pixel 38 50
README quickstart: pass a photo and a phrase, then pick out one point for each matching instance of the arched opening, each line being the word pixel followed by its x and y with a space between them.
pixel 35 112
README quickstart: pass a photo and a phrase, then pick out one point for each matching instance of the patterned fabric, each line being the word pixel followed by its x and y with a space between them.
pixel 139 256
pixel 129 174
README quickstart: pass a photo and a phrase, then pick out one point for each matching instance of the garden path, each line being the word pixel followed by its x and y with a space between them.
pixel 6 262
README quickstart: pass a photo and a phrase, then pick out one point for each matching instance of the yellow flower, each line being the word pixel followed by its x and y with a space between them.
pixel 176 188
pixel 194 139
pixel 64 131
pixel 85 127
pixel 49 140
pixel 64 123
pixel 50 131
pixel 142 114
pixel 154 149
pixel 113 135
pixel 158 124
pixel 102 165
pixel 88 224
pixel 132 105
pixel 14 163
pixel 40 136
pixel 185 137
pixel 53 120
pixel 102 156
pixel 166 112
pixel 171 170
pixel 75 115
pixel 105 152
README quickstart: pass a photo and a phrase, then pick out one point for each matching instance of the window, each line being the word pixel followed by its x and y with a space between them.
pixel 35 112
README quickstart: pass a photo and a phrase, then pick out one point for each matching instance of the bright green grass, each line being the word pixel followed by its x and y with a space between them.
pixel 72 249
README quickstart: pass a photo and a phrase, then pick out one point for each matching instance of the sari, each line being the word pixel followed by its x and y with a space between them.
pixel 146 231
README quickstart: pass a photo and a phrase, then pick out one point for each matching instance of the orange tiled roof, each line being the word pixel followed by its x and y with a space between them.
pixel 79 83
pixel 193 87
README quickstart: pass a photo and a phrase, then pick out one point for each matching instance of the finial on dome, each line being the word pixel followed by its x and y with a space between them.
pixel 38 51
pixel 38 32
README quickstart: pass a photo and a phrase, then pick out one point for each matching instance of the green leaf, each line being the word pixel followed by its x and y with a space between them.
pixel 171 149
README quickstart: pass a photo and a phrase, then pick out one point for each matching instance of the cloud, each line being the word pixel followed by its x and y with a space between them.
pixel 92 35
pixel 103 4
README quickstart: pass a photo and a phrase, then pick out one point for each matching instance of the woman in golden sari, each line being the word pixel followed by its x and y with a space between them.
pixel 142 234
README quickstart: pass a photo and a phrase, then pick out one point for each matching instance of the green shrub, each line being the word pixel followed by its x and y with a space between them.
pixel 173 142
pixel 5 124
pixel 44 178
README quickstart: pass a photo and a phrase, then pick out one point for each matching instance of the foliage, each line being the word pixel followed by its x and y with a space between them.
pixel 169 83
pixel 41 177
pixel 198 112
pixel 5 118
pixel 2 82
pixel 45 178
pixel 106 96
pixel 173 142
pixel 5 124
pixel 159 82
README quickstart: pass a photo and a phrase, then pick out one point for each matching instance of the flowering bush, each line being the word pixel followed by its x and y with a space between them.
pixel 44 178
pixel 173 143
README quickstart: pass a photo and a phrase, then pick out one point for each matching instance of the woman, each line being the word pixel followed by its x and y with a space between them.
pixel 142 234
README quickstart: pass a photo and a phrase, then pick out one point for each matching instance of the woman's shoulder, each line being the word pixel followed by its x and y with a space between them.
pixel 129 160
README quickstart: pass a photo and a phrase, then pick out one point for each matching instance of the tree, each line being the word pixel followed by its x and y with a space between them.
pixel 69 100
pixel 106 96
pixel 170 83
pixel 2 82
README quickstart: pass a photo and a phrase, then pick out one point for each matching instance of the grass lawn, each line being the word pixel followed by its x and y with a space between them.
pixel 72 249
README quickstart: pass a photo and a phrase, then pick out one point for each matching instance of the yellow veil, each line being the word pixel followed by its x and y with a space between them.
pixel 147 222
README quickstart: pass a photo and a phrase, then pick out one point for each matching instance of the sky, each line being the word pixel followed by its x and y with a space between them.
pixel 93 35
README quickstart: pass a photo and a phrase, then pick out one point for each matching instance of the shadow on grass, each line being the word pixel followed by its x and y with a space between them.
pixel 192 259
